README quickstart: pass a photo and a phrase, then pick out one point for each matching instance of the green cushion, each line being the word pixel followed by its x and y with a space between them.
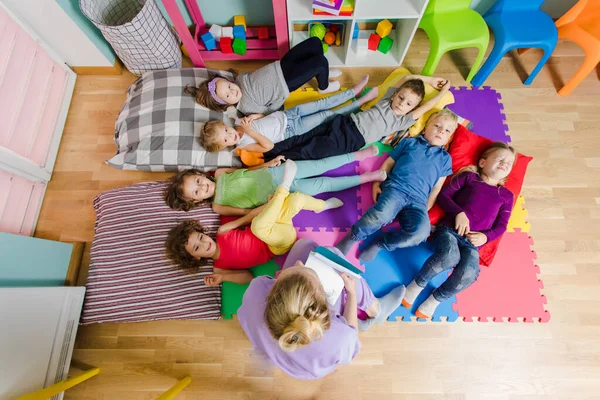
pixel 232 293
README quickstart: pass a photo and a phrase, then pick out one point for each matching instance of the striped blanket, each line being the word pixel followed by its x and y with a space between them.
pixel 130 279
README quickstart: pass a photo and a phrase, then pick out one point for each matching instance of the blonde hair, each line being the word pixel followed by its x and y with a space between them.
pixel 296 313
pixel 494 147
pixel 444 112
pixel 209 136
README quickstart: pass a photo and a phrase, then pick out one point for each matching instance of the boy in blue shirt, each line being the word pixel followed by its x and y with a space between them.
pixel 417 169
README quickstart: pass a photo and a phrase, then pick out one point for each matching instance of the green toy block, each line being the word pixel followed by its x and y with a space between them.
pixel 385 44
pixel 232 293
pixel 239 46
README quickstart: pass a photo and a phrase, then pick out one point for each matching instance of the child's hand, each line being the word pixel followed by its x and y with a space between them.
pixel 446 85
pixel 477 238
pixel 253 117
pixel 376 190
pixel 213 280
pixel 349 284
pixel 245 123
pixel 276 162
pixel 462 224
pixel 439 83
pixel 226 228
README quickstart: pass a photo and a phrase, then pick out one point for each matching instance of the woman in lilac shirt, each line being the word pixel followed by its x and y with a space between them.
pixel 290 321
pixel 477 207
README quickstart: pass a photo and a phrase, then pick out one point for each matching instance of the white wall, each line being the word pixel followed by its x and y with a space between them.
pixel 59 32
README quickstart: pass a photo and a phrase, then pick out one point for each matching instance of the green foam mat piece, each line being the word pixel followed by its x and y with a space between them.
pixel 232 293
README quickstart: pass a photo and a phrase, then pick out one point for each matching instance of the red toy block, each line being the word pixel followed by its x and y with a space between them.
pixel 374 41
pixel 226 45
pixel 263 32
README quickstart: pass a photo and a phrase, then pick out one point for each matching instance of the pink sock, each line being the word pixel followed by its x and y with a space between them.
pixel 365 153
pixel 373 176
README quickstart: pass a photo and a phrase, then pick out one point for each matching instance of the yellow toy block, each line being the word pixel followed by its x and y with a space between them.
pixel 384 28
pixel 518 217
pixel 239 20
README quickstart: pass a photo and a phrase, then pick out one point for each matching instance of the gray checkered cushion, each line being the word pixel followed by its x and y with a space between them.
pixel 157 128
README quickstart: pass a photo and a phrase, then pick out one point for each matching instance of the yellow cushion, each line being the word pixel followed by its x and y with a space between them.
pixel 430 92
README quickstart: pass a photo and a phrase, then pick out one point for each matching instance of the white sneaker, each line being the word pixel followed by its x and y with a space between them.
pixel 334 86
pixel 335 72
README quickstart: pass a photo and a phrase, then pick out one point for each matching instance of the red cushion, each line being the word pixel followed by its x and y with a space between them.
pixel 465 149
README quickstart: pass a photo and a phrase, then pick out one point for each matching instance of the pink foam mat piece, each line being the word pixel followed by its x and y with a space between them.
pixel 507 289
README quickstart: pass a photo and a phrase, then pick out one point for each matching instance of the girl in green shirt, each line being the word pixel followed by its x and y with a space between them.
pixel 238 191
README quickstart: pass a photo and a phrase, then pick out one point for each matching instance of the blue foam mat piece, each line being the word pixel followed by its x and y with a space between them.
pixel 390 269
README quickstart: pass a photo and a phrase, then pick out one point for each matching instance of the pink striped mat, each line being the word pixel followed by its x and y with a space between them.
pixel 130 280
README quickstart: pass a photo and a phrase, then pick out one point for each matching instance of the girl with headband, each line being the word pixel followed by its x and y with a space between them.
pixel 264 90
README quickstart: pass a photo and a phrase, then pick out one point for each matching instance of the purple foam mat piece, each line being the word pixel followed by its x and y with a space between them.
pixel 483 108
pixel 343 217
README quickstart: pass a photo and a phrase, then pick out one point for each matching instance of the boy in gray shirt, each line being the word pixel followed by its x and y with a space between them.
pixel 346 134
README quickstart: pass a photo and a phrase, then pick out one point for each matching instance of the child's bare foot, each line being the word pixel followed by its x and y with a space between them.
pixel 361 85
pixel 373 176
pixel 371 95
pixel 367 152
pixel 331 203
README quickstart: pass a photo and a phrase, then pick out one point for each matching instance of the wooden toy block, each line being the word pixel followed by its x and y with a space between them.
pixel 384 28
pixel 216 30
pixel 226 45
pixel 239 20
pixel 239 32
pixel 227 31
pixel 209 41
pixel 374 41
pixel 239 46
pixel 263 32
pixel 362 42
pixel 385 44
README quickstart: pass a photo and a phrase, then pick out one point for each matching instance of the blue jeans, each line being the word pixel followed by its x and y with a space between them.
pixel 304 117
pixel 309 182
pixel 413 218
pixel 451 251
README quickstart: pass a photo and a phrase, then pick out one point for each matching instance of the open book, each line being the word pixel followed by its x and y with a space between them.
pixel 328 266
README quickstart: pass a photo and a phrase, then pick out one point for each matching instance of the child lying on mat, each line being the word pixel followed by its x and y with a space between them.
pixel 235 250
pixel 264 90
pixel 347 133
pixel 417 169
pixel 478 208
pixel 291 322
pixel 258 133
pixel 237 191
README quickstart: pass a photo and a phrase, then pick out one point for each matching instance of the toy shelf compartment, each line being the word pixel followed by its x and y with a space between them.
pixel 405 15
pixel 268 49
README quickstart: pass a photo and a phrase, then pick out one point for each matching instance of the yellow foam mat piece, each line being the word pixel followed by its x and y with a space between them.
pixel 307 95
pixel 518 217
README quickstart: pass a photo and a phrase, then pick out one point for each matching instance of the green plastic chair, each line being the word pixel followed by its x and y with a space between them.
pixel 451 25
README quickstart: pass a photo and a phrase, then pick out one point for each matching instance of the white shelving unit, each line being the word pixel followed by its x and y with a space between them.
pixel 404 14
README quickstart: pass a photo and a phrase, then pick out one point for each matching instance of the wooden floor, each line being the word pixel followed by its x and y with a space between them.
pixel 421 361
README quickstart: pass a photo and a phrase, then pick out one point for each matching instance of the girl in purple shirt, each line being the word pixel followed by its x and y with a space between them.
pixel 477 207
pixel 290 321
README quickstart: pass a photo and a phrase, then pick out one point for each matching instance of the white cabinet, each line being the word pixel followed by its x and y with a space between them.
pixel 405 15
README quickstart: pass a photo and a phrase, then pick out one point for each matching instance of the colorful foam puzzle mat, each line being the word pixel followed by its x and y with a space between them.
pixel 486 300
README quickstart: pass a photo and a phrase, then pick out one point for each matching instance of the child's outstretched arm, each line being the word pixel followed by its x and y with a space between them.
pixel 434 192
pixel 242 221
pixel 443 85
pixel 499 226
pixel 223 275
pixel 263 144
pixel 387 166
pixel 230 211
